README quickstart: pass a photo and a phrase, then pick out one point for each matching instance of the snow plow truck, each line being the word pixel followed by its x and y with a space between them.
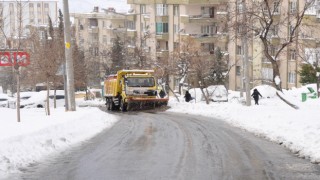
pixel 132 90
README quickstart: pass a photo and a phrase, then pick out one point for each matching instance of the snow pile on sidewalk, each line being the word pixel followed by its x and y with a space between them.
pixel 37 135
pixel 298 130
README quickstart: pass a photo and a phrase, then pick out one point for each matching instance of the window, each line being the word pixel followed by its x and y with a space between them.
pixel 162 28
pixel 208 29
pixel 292 6
pixel 276 7
pixel 162 10
pixel 239 50
pixel 207 12
pixel 208 47
pixel 292 54
pixel 176 45
pixel 46 5
pixel 42 34
pixel 273 51
pixel 131 25
pixel 104 39
pixel 239 29
pixel 238 70
pixel 143 9
pixel 96 51
pixel 291 77
pixel 267 73
pixel 239 7
pixel 176 11
pixel 274 30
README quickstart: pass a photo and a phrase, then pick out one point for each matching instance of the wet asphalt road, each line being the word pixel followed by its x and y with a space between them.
pixel 169 146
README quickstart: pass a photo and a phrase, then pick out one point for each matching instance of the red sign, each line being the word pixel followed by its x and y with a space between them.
pixel 15 58
pixel 21 58
pixel 5 59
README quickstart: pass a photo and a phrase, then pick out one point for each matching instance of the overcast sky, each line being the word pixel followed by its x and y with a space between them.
pixel 87 5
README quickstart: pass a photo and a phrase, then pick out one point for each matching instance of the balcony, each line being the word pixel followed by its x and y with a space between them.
pixel 162 53
pixel 199 19
pixel 176 1
pixel 274 40
pixel 147 1
pixel 163 19
pixel 131 17
pixel 208 38
pixel 196 1
pixel 131 33
pixel 310 42
pixel 310 19
pixel 164 36
pixel 93 29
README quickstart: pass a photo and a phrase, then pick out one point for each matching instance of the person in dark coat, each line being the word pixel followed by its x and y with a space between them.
pixel 162 94
pixel 255 96
pixel 187 96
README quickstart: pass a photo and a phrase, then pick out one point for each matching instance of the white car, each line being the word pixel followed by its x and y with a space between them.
pixel 4 99
pixel 38 99
pixel 218 93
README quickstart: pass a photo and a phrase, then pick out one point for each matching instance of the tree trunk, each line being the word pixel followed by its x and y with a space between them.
pixel 206 98
pixel 18 94
pixel 47 102
pixel 54 98
pixel 276 73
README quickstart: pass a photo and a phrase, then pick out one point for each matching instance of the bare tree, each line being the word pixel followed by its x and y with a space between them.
pixel 264 19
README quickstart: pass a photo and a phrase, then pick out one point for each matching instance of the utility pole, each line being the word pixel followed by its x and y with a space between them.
pixel 69 60
pixel 245 55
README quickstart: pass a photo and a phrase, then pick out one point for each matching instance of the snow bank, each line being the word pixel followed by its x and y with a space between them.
pixel 298 130
pixel 37 135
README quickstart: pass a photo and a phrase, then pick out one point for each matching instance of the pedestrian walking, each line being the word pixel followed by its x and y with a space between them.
pixel 187 96
pixel 255 96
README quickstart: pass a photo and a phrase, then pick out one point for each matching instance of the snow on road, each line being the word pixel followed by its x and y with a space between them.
pixel 38 135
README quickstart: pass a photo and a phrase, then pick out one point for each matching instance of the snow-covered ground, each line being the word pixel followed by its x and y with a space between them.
pixel 38 135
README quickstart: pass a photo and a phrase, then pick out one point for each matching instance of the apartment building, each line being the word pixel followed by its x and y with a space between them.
pixel 17 16
pixel 95 31
pixel 168 22
pixel 304 48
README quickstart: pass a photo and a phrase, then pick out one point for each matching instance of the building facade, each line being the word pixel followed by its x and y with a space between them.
pixel 168 22
pixel 17 16
pixel 303 49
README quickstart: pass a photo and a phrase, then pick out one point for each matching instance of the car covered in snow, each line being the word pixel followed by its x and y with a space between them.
pixel 38 99
pixel 4 99
pixel 218 93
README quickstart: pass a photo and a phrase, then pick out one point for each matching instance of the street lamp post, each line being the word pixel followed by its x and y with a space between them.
pixel 318 84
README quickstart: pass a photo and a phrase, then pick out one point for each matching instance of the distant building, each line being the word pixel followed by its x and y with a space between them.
pixel 17 16
pixel 95 33
pixel 169 22
pixel 305 48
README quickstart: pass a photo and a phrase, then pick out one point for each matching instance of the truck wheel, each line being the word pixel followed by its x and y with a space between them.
pixel 108 104
pixel 113 106
pixel 123 106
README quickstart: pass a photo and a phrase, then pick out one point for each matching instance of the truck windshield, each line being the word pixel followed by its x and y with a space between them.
pixel 140 82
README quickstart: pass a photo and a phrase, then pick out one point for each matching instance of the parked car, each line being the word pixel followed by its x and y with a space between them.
pixel 4 99
pixel 218 93
pixel 38 99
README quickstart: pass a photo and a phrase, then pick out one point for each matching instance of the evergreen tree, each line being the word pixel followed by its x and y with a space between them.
pixel 219 69
pixel 308 74
pixel 117 55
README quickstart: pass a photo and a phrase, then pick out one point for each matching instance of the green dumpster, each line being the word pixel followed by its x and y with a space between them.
pixel 304 97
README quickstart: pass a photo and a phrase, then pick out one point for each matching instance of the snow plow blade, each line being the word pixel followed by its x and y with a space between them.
pixel 145 103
